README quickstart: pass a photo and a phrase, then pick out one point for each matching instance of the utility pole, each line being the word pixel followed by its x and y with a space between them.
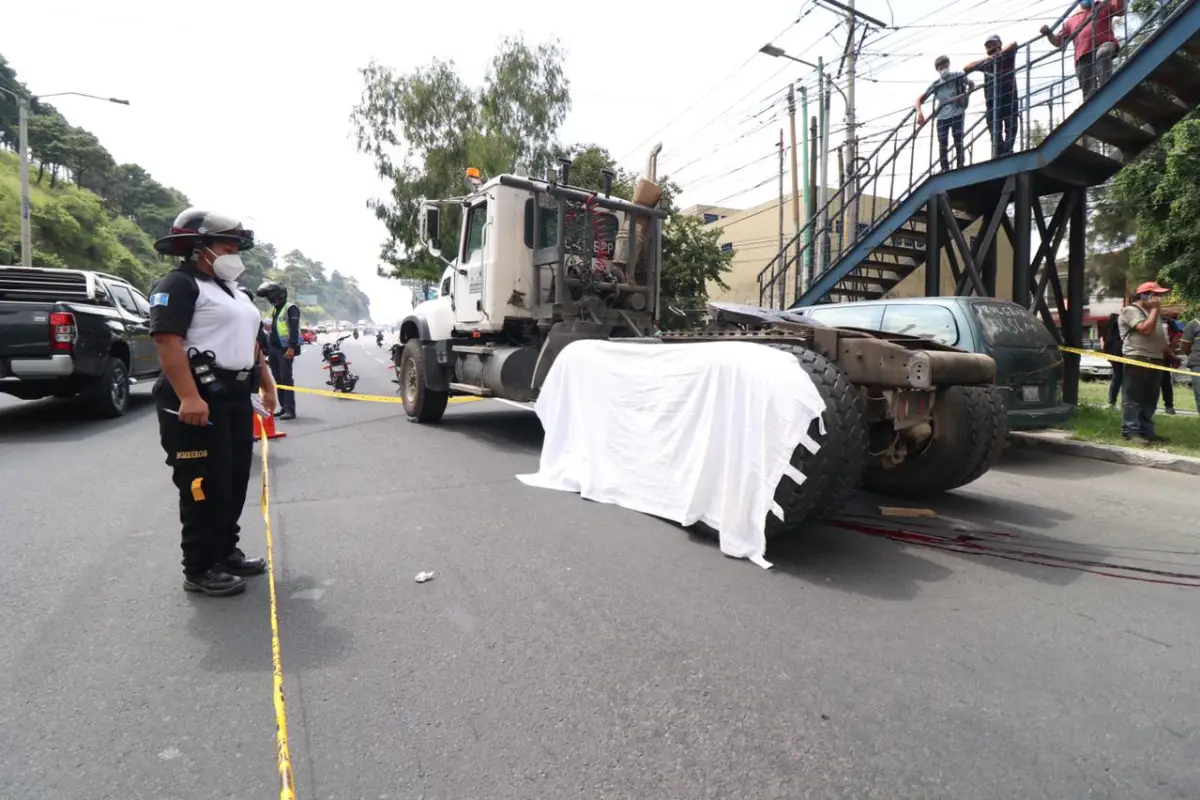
pixel 801 272
pixel 823 172
pixel 791 101
pixel 849 212
pixel 851 65
pixel 809 256
pixel 782 274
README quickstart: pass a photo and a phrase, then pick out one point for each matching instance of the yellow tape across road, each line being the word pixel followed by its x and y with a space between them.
pixel 287 789
pixel 1124 360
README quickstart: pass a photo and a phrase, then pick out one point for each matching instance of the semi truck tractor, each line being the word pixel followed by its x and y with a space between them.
pixel 542 263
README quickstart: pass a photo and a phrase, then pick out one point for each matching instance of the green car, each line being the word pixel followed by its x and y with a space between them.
pixel 1029 366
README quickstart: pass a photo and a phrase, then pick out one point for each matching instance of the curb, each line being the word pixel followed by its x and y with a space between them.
pixel 1059 443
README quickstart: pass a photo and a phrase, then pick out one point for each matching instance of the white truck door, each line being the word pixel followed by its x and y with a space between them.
pixel 468 284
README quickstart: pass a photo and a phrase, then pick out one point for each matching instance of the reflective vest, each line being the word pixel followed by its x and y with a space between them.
pixel 282 329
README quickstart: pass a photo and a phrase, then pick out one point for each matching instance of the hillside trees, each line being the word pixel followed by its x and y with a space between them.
pixel 89 212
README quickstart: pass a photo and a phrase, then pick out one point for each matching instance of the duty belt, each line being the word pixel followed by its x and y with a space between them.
pixel 233 375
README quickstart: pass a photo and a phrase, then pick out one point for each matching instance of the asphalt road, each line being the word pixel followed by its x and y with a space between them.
pixel 567 649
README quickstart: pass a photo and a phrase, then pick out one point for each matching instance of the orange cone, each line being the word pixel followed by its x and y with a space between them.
pixel 270 426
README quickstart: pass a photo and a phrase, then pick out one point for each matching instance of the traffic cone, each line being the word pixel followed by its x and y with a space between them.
pixel 270 427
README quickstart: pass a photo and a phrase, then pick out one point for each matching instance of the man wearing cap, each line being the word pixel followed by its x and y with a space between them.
pixel 1144 339
pixel 1000 92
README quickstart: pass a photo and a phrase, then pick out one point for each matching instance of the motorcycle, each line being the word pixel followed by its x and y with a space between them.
pixel 340 376
pixel 379 340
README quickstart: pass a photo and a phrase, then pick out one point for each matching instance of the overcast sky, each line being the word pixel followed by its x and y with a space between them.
pixel 244 106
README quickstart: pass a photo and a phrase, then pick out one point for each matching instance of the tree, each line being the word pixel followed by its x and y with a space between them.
pixel 88 161
pixel 1161 191
pixel 423 129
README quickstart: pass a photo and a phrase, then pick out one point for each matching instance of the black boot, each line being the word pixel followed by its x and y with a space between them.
pixel 288 414
pixel 214 582
pixel 238 564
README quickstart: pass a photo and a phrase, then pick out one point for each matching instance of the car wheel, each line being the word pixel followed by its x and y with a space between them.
pixel 108 394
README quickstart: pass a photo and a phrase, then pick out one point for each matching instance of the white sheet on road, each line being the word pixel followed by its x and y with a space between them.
pixel 688 432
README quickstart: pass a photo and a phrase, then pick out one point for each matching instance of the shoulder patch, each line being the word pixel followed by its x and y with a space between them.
pixel 159 299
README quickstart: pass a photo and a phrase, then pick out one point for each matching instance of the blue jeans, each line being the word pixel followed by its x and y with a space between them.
pixel 945 127
pixel 1140 389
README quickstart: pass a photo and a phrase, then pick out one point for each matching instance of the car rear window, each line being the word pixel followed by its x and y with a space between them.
pixel 1009 325
pixel 924 320
pixel 853 315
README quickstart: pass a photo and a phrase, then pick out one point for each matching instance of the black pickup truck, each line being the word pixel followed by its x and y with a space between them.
pixel 68 332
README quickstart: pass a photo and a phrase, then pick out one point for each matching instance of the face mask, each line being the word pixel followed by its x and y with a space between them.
pixel 228 267
pixel 944 73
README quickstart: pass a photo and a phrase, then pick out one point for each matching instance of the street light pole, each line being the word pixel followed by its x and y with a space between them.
pixel 23 155
pixel 23 149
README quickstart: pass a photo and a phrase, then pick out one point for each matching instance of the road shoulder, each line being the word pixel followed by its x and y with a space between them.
pixel 1063 443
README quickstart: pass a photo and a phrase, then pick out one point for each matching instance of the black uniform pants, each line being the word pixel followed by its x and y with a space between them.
pixel 281 368
pixel 211 470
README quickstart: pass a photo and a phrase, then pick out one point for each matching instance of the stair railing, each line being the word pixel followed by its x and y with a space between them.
pixel 894 163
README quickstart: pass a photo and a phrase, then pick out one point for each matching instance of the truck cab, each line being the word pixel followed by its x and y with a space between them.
pixel 516 291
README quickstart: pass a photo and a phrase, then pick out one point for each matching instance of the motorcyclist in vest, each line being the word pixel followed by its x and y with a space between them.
pixel 284 339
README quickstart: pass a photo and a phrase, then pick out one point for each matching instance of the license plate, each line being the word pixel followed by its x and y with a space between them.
pixel 338 368
pixel 1031 394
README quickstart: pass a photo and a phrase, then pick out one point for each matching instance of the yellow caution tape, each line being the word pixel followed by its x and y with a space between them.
pixel 1131 361
pixel 368 398
pixel 287 789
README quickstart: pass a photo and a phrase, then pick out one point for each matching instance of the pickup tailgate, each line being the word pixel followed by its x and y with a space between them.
pixel 24 329
pixel 27 297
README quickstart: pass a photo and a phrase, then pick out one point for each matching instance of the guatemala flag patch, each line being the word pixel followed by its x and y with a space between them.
pixel 159 299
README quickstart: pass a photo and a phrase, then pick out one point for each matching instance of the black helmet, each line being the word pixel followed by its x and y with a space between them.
pixel 249 294
pixel 274 292
pixel 195 227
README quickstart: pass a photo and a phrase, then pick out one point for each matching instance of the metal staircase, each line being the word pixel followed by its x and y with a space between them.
pixel 906 210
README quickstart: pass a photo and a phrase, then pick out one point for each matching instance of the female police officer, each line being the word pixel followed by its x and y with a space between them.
pixel 206 331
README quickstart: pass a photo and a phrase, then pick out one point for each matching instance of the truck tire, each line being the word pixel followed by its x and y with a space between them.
pixel 970 425
pixel 107 395
pixel 421 403
pixel 835 471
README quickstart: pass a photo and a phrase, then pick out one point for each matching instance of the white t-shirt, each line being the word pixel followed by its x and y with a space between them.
pixel 209 318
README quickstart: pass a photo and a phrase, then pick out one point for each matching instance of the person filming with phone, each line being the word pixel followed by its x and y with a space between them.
pixel 1143 339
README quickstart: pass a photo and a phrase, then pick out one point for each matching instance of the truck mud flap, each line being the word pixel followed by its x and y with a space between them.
pixel 561 335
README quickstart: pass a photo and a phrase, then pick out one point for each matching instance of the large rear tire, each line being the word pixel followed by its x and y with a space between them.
pixel 421 403
pixel 835 471
pixel 970 424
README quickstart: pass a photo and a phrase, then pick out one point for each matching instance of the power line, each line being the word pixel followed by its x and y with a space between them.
pixel 708 93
